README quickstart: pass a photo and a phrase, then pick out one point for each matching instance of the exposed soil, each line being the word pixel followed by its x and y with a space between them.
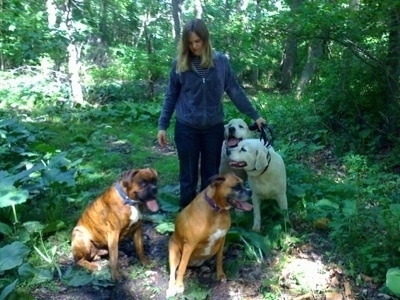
pixel 305 266
pixel 301 273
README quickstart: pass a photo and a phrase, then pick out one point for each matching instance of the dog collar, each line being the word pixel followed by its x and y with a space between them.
pixel 269 160
pixel 266 167
pixel 213 205
pixel 124 196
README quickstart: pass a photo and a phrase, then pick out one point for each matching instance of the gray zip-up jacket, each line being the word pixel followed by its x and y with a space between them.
pixel 197 101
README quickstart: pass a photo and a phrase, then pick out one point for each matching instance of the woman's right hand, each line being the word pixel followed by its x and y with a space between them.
pixel 162 138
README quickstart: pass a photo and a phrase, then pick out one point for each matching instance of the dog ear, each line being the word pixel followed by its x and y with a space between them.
pixel 127 177
pixel 154 172
pixel 261 160
pixel 216 179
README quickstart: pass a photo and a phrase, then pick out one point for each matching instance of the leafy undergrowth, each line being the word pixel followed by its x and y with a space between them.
pixel 303 268
pixel 341 239
pixel 305 272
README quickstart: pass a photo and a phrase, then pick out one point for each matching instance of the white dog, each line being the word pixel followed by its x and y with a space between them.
pixel 266 173
pixel 235 131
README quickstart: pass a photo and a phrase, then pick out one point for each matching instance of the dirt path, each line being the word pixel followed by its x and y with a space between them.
pixel 305 274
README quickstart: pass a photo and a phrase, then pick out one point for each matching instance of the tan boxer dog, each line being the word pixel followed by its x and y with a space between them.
pixel 114 215
pixel 200 228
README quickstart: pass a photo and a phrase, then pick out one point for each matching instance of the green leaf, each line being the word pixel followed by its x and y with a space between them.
pixel 5 179
pixel 350 208
pixel 80 139
pixel 257 240
pixel 395 209
pixel 26 270
pixel 298 190
pixel 33 226
pixel 233 235
pixel 43 255
pixel 46 148
pixel 36 275
pixel 56 175
pixel 80 279
pixel 327 202
pixel 8 289
pixel 9 196
pixel 24 175
pixel 53 227
pixel 165 227
pixel 5 229
pixel 13 255
pixel 393 280
pixel 167 200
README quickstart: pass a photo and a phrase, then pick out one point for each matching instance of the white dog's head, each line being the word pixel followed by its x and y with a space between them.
pixel 250 155
pixel 235 131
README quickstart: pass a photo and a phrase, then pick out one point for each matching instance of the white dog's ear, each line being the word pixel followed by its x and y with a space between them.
pixel 261 160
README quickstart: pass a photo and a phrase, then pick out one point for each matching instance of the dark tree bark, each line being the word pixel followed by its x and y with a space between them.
pixel 149 46
pixel 289 58
pixel 103 26
pixel 255 71
pixel 315 51
pixel 393 57
pixel 288 63
pixel 176 16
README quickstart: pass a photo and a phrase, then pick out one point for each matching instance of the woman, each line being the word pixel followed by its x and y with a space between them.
pixel 198 79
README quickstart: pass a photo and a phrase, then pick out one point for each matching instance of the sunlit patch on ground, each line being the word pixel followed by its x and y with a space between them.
pixel 303 275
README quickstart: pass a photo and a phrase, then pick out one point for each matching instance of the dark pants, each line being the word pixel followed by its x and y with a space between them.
pixel 193 145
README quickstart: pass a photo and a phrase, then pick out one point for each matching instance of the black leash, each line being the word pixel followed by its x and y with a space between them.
pixel 267 134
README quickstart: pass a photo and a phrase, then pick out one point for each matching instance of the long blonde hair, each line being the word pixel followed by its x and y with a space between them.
pixel 198 27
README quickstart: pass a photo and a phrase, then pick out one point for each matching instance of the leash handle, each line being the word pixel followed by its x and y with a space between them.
pixel 263 133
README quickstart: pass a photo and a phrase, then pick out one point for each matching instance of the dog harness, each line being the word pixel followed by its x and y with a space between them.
pixel 124 196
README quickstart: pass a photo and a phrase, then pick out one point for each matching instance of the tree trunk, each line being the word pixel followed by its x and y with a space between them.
pixel 315 51
pixel 51 14
pixel 149 46
pixel 198 8
pixel 176 16
pixel 103 26
pixel 393 57
pixel 287 64
pixel 73 55
pixel 392 98
pixel 2 64
pixel 289 58
pixel 255 70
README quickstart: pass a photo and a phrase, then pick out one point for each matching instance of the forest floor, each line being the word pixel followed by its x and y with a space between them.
pixel 306 265
pixel 304 272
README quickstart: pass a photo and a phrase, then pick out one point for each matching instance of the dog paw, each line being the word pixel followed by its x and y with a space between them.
pixel 175 289
pixel 221 277
pixel 115 276
pixel 92 266
pixel 256 228
pixel 179 289
pixel 145 261
pixel 171 292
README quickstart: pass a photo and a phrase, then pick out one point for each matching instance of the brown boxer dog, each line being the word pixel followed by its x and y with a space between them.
pixel 114 215
pixel 200 228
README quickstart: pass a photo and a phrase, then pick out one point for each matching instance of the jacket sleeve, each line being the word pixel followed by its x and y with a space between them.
pixel 170 98
pixel 236 93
